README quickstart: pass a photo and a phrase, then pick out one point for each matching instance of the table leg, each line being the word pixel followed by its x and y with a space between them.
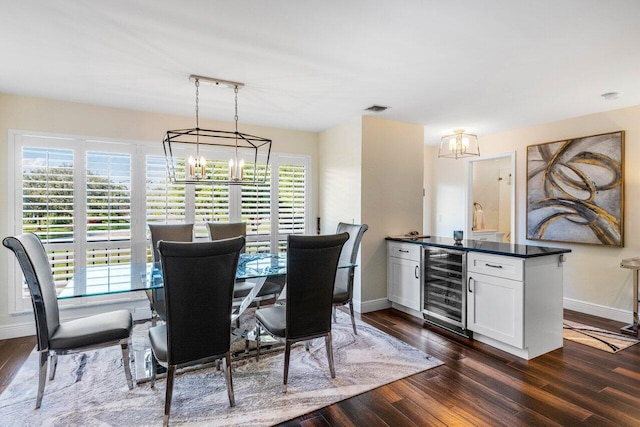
pixel 633 328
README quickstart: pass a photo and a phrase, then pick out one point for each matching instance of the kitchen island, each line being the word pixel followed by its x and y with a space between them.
pixel 506 295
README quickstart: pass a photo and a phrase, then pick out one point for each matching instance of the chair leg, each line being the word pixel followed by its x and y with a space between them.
pixel 154 363
pixel 353 318
pixel 126 361
pixel 306 345
pixel 42 376
pixel 333 312
pixel 327 341
pixel 171 370
pixel 53 365
pixel 226 362
pixel 287 354
pixel 258 332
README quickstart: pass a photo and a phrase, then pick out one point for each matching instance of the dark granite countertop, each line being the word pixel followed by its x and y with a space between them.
pixel 496 248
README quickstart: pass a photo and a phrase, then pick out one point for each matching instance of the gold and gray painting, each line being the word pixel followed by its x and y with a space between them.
pixel 575 190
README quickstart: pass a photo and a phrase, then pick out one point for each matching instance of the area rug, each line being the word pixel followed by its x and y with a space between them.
pixel 90 388
pixel 611 342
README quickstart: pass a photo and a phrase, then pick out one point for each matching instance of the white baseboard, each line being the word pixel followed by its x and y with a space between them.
pixel 369 306
pixel 598 310
pixel 17 330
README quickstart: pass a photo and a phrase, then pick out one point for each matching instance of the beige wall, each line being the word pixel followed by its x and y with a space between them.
pixel 593 281
pixel 430 157
pixel 392 180
pixel 340 160
pixel 371 172
pixel 340 191
pixel 43 115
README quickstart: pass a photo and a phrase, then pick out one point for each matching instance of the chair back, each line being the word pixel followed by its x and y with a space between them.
pixel 350 249
pixel 36 269
pixel 171 233
pixel 227 230
pixel 198 290
pixel 311 272
pixel 349 253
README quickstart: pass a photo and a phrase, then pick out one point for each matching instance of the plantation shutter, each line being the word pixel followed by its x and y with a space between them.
pixel 291 200
pixel 47 206
pixel 255 209
pixel 108 207
pixel 212 201
pixel 165 202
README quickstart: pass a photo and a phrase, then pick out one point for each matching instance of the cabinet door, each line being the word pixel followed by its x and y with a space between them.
pixel 404 282
pixel 495 308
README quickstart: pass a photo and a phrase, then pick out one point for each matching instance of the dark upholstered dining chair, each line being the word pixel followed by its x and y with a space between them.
pixel 312 262
pixel 171 233
pixel 343 290
pixel 198 289
pixel 58 338
pixel 272 285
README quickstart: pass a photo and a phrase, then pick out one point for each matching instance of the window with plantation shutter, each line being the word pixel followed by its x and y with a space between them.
pixel 47 193
pixel 212 201
pixel 165 202
pixel 108 207
pixel 89 201
pixel 291 200
pixel 255 210
pixel 47 206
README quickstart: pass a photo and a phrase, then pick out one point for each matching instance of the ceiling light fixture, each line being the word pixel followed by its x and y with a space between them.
pixel 178 143
pixel 458 145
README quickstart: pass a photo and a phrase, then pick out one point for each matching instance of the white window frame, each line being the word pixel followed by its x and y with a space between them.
pixel 138 151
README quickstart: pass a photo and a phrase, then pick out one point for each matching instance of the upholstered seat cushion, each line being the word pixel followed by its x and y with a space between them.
pixel 242 288
pixel 340 293
pixel 274 319
pixel 92 330
pixel 158 339
pixel 272 286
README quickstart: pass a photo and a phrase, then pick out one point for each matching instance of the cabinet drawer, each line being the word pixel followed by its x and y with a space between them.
pixel 405 251
pixel 495 265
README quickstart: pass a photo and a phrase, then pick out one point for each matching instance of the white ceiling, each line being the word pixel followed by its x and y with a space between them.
pixel 486 66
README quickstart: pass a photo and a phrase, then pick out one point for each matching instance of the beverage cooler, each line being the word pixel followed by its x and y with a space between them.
pixel 444 293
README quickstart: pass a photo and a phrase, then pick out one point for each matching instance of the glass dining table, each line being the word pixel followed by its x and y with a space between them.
pixel 96 280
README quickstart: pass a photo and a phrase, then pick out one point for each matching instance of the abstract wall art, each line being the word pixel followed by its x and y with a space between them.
pixel 575 190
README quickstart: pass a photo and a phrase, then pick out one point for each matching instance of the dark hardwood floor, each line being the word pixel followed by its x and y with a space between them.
pixel 477 385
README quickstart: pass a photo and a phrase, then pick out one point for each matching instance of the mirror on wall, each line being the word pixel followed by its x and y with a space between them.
pixel 490 201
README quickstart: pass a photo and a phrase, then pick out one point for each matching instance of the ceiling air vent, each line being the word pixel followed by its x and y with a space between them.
pixel 376 108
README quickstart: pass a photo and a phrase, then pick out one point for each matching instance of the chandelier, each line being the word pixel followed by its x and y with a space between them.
pixel 458 145
pixel 197 142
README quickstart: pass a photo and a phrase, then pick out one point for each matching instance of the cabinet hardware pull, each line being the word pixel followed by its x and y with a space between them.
pixel 417 271
pixel 402 250
pixel 469 285
pixel 492 265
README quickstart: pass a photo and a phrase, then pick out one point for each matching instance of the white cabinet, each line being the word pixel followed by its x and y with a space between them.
pixel 515 304
pixel 404 272
pixel 495 307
